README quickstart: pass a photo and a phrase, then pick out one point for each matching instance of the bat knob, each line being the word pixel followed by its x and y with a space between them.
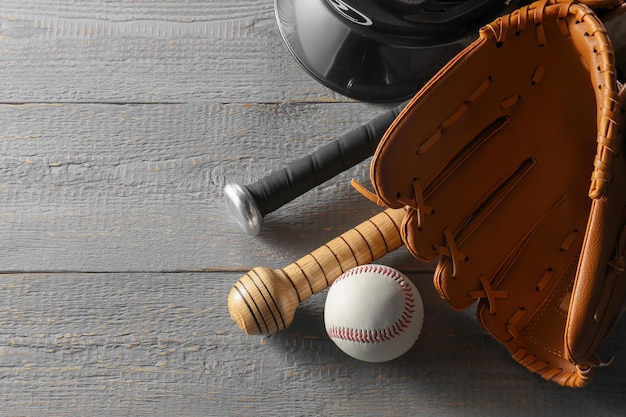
pixel 263 301
pixel 242 205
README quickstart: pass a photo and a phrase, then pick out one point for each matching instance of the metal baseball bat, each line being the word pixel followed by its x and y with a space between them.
pixel 249 204
pixel 264 301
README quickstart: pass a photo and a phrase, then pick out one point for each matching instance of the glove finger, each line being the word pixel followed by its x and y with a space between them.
pixel 600 287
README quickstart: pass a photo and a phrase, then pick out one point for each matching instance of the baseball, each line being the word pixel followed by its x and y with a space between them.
pixel 373 313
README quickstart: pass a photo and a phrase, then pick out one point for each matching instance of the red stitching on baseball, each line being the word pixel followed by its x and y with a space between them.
pixel 378 335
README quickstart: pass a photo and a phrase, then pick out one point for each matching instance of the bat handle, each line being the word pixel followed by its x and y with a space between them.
pixel 264 301
pixel 249 204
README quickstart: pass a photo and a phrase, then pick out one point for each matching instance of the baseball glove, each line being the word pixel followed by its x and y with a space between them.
pixel 494 158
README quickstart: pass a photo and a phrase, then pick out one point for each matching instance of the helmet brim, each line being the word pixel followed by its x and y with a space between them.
pixel 348 61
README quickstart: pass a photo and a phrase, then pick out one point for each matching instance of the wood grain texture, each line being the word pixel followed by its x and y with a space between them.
pixel 120 124
pixel 137 51
pixel 163 344
pixel 139 187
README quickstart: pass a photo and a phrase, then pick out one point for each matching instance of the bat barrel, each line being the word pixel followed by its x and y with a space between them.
pixel 249 204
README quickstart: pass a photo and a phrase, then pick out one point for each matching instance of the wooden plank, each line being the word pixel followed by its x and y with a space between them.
pixel 139 187
pixel 142 52
pixel 163 344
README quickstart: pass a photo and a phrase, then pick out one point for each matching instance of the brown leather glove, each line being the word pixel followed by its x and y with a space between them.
pixel 494 157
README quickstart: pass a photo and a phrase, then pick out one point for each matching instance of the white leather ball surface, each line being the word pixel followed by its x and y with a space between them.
pixel 373 313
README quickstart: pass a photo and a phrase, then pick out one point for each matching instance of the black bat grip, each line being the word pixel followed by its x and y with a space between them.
pixel 302 175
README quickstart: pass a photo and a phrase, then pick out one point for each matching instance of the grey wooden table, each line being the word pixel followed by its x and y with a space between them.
pixel 121 122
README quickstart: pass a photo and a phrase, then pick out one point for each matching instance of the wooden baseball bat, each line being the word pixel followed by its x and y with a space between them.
pixel 264 301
